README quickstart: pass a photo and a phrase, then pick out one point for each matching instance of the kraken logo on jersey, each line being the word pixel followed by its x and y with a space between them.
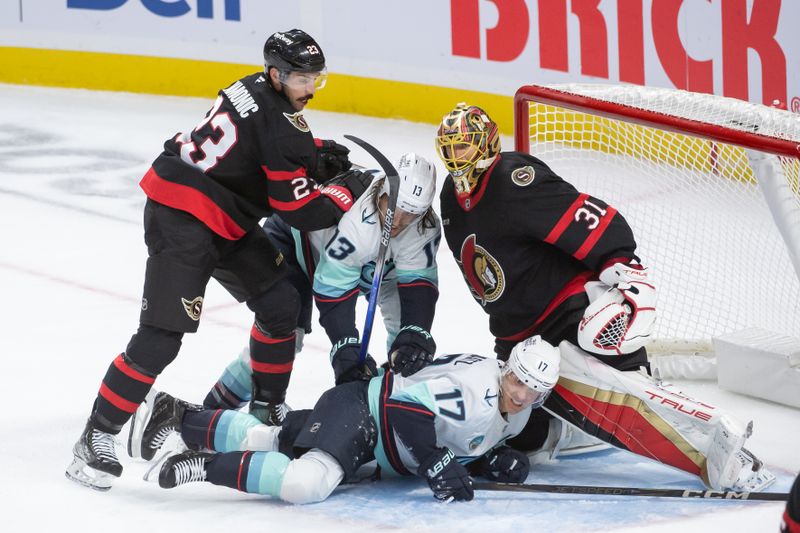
pixel 483 273
pixel 193 307
pixel 298 121
pixel 523 176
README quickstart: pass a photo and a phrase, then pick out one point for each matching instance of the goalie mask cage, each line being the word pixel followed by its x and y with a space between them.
pixel 673 163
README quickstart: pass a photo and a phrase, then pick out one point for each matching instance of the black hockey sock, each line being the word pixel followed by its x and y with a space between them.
pixel 123 388
pixel 229 470
pixel 199 428
pixel 272 360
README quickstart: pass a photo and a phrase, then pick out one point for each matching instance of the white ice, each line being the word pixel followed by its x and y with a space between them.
pixel 72 265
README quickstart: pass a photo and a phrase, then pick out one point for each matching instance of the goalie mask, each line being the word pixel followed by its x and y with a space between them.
pixel 468 142
pixel 529 375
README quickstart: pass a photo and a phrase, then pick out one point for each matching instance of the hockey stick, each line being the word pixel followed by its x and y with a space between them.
pixel 377 277
pixel 625 491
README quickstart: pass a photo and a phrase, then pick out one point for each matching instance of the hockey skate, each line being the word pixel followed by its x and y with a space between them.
pixel 270 413
pixel 186 467
pixel 563 440
pixel 95 463
pixel 158 416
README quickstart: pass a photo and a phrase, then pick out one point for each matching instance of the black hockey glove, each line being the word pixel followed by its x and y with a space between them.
pixel 331 159
pixel 356 181
pixel 503 464
pixel 411 351
pixel 344 359
pixel 447 478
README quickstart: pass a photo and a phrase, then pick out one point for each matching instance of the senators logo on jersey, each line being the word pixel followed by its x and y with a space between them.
pixel 482 271
pixel 298 121
pixel 193 308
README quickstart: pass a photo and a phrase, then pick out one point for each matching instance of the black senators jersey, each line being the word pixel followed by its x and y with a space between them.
pixel 251 155
pixel 526 241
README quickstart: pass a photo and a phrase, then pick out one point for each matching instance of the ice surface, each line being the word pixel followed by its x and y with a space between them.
pixel 72 265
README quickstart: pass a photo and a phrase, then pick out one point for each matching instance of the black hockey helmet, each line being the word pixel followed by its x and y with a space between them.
pixel 293 51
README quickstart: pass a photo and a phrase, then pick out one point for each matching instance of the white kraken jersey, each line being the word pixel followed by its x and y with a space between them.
pixel 347 252
pixel 462 392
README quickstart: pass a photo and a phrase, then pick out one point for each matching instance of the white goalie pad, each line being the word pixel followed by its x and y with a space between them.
pixel 658 422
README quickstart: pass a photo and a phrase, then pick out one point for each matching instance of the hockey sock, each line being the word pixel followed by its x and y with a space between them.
pixel 218 430
pixel 234 388
pixel 271 360
pixel 257 472
pixel 124 387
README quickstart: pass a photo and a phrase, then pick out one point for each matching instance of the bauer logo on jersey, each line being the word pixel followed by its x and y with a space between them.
pixel 193 307
pixel 523 176
pixel 298 121
pixel 482 271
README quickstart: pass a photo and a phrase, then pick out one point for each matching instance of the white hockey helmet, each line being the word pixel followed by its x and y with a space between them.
pixel 535 362
pixel 417 183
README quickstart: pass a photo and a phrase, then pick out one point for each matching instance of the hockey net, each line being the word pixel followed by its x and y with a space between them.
pixel 673 163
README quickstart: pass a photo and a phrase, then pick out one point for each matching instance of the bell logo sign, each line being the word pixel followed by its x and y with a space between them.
pixel 164 8
pixel 740 31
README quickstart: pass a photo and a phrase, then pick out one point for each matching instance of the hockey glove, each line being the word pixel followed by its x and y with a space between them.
pixel 621 275
pixel 504 464
pixel 447 478
pixel 331 159
pixel 356 181
pixel 411 351
pixel 344 359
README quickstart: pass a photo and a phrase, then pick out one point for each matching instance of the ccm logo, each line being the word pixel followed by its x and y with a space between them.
pixel 164 8
pixel 680 407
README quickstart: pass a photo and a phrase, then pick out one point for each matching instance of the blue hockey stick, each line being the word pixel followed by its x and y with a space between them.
pixel 377 277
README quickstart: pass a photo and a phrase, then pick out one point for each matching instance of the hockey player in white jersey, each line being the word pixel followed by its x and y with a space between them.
pixel 442 423
pixel 336 265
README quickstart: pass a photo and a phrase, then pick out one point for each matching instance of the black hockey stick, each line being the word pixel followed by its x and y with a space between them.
pixel 377 277
pixel 626 491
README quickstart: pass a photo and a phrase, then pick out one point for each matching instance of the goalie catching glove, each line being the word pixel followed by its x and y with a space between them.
pixel 411 351
pixel 621 313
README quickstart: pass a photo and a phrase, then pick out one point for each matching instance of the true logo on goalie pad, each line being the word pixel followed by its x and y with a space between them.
pixel 193 308
pixel 523 176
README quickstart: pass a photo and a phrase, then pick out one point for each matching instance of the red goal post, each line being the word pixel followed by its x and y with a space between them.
pixel 722 241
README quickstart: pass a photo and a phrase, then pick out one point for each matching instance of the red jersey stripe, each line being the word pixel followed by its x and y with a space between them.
pixel 595 235
pixel 566 219
pixel 284 175
pixel 192 201
pixel 294 205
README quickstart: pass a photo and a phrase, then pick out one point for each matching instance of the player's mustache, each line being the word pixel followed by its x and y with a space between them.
pixel 306 98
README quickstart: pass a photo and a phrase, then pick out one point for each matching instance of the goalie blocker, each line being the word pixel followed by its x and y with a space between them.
pixel 634 412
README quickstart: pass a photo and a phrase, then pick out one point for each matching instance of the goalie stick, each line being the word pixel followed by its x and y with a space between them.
pixel 629 491
pixel 377 277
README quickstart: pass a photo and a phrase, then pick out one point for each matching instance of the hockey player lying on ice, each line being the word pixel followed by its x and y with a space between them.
pixel 441 423
pixel 444 423
pixel 542 258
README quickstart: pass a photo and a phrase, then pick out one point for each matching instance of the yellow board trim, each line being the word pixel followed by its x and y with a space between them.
pixel 188 77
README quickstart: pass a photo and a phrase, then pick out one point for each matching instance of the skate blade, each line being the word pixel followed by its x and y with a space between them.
pixel 83 474
pixel 151 476
pixel 139 421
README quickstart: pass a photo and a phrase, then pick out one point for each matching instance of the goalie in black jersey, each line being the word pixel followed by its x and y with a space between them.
pixel 542 258
pixel 251 155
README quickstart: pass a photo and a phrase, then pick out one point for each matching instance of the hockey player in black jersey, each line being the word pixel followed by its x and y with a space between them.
pixel 542 258
pixel 253 154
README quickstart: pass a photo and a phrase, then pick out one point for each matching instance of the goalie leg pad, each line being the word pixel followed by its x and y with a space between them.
pixel 631 411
